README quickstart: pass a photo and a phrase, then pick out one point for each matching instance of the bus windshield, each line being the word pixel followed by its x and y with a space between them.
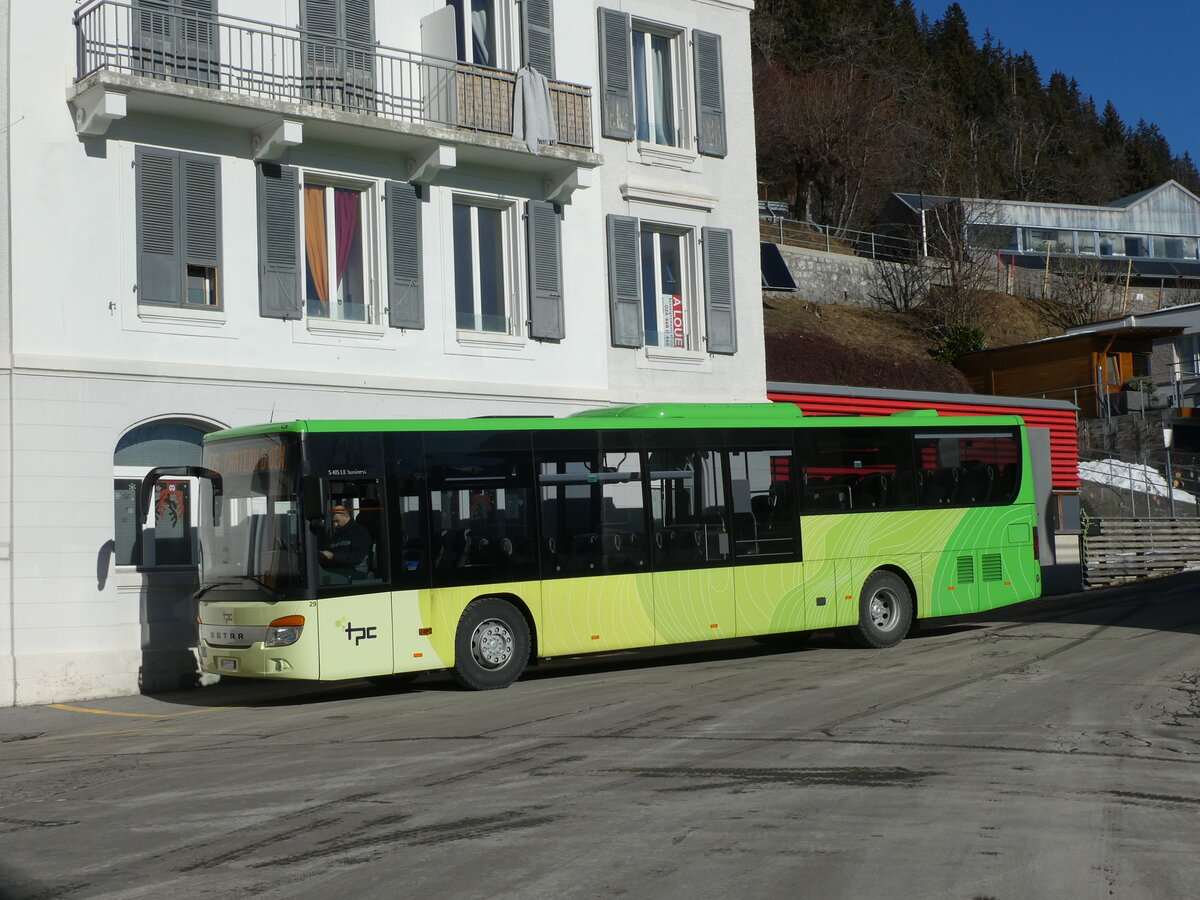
pixel 254 532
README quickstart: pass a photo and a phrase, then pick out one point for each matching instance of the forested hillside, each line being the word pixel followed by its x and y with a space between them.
pixel 855 99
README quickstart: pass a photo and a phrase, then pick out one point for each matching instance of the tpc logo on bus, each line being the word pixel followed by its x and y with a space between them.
pixel 358 635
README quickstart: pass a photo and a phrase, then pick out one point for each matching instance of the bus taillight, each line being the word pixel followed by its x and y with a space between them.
pixel 1037 554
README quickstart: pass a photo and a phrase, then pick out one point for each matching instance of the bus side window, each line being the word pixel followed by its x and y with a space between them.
pixel 968 468
pixel 362 500
pixel 480 510
pixel 591 506
pixel 691 520
pixel 765 518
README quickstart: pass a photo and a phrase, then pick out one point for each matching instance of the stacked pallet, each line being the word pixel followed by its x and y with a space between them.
pixel 1121 550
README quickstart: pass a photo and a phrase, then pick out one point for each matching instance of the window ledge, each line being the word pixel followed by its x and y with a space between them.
pixel 665 155
pixel 170 315
pixel 674 358
pixel 335 328
pixel 490 340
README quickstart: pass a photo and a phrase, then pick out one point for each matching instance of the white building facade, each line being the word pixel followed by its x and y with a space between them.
pixel 223 212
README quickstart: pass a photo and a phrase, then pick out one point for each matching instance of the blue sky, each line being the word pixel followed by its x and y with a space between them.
pixel 1141 56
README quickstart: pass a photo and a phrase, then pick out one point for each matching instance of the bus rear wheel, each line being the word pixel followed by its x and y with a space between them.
pixel 491 646
pixel 885 611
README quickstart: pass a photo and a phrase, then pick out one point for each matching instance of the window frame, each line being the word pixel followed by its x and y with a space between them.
pixel 370 238
pixel 680 99
pixel 503 34
pixel 511 258
pixel 688 280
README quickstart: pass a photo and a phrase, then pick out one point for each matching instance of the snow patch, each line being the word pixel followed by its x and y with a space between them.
pixel 1130 476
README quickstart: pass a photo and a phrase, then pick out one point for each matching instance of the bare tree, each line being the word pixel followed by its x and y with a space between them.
pixel 1081 292
pixel 963 269
pixel 899 285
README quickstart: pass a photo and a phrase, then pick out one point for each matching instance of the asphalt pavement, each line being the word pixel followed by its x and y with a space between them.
pixel 1046 750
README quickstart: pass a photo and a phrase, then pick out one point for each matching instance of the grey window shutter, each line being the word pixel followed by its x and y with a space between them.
pixel 719 311
pixel 359 32
pixel 319 26
pixel 197 43
pixel 159 242
pixel 624 282
pixel 402 207
pixel 538 34
pixel 710 94
pixel 616 75
pixel 201 211
pixel 545 272
pixel 278 241
pixel 154 38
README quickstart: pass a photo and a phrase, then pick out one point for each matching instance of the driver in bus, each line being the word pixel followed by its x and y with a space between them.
pixel 347 547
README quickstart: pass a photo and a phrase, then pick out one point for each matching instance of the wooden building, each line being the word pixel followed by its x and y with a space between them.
pixel 1089 370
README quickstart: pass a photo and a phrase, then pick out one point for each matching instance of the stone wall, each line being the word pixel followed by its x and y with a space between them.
pixel 841 278
pixel 829 277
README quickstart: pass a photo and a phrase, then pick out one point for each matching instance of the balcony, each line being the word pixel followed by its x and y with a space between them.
pixel 241 72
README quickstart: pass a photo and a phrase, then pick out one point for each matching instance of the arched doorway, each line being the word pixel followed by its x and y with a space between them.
pixel 163 443
pixel 156 556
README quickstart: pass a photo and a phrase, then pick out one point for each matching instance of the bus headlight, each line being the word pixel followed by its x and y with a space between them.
pixel 284 632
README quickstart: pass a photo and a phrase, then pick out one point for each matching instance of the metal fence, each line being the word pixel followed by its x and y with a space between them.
pixel 814 236
pixel 259 59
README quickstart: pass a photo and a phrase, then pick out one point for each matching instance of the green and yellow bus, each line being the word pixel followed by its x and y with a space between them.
pixel 483 545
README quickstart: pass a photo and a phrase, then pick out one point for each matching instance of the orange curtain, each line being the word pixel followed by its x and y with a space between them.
pixel 315 247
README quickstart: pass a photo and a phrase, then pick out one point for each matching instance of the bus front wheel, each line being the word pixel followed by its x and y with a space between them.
pixel 885 611
pixel 491 646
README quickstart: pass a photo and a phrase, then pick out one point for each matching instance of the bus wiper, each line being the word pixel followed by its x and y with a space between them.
pixel 261 582
pixel 212 584
pixel 254 579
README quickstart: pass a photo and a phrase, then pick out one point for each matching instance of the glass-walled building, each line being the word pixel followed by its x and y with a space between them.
pixel 1149 237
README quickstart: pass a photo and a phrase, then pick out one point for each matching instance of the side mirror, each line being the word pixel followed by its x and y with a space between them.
pixel 146 491
pixel 313 497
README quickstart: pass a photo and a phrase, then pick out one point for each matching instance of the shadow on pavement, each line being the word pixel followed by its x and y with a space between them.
pixel 1171 603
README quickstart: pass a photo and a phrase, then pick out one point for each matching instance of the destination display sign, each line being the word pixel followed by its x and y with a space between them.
pixel 239 459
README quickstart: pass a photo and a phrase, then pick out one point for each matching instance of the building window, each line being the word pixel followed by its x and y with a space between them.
pixel 1189 362
pixel 484 282
pixel 336 258
pixel 993 237
pixel 178 229
pixel 1174 247
pixel 1136 245
pixel 654 278
pixel 1049 240
pixel 667 304
pixel 657 89
pixel 322 255
pixel 475 31
pixel 645 73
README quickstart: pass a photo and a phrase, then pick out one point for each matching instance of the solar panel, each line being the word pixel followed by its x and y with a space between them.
pixel 775 274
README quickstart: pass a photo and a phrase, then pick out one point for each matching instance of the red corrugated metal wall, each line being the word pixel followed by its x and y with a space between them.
pixel 1064 446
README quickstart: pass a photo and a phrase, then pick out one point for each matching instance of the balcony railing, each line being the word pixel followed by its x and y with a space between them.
pixel 262 60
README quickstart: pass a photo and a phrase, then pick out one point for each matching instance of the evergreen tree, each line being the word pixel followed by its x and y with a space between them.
pixel 924 107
